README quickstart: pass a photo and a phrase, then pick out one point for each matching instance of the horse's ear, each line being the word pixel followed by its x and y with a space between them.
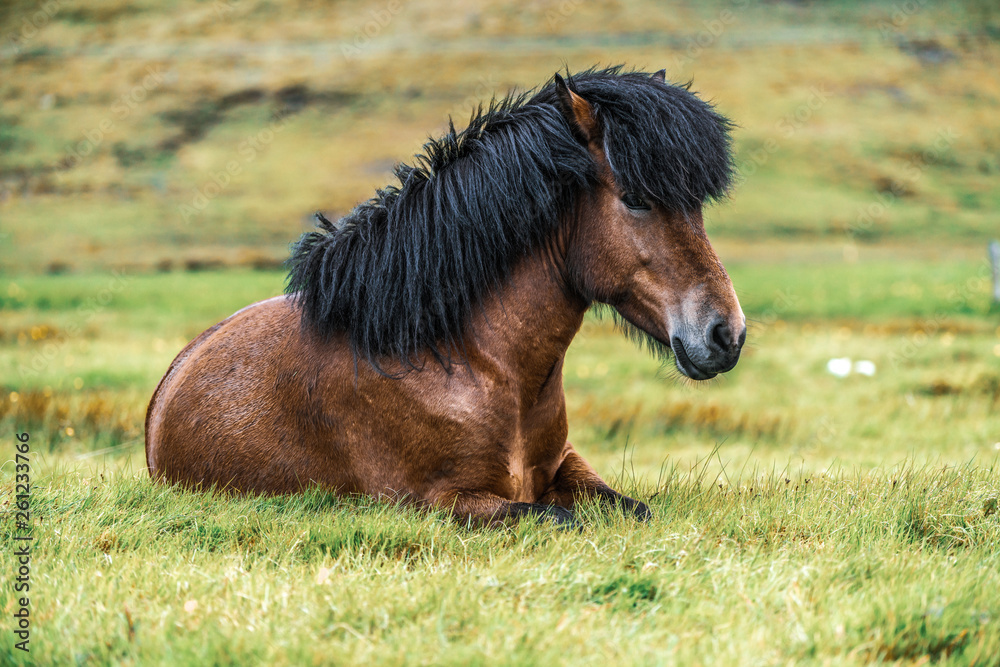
pixel 660 76
pixel 577 111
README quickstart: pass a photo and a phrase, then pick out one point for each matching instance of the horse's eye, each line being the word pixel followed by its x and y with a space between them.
pixel 635 202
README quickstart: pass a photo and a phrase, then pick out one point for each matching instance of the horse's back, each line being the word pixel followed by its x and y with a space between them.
pixel 215 418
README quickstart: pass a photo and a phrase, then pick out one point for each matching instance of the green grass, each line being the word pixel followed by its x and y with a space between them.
pixel 848 568
pixel 798 516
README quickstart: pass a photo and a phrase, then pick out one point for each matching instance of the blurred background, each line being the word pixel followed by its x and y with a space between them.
pixel 157 158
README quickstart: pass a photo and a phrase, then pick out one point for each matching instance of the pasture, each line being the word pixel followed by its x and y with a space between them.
pixel 799 517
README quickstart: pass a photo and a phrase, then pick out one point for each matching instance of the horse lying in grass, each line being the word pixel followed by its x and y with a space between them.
pixel 418 351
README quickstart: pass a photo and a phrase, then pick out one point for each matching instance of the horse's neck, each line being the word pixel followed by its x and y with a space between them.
pixel 528 327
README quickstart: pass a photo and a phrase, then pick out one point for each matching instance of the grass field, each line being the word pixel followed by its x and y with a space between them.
pixel 894 565
pixel 157 158
pixel 798 516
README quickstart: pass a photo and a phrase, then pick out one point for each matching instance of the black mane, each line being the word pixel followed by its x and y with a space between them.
pixel 402 273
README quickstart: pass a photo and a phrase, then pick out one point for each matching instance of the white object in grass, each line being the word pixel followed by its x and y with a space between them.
pixel 841 367
pixel 864 367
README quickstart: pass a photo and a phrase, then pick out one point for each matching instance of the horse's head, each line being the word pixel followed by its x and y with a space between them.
pixel 638 243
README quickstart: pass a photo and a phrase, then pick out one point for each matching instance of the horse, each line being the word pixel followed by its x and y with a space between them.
pixel 417 351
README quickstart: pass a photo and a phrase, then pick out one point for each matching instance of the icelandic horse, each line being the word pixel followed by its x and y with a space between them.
pixel 418 351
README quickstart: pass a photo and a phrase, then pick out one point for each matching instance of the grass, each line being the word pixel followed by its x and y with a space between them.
pixel 848 568
pixel 800 518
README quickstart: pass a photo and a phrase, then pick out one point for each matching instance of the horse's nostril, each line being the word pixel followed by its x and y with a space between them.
pixel 720 336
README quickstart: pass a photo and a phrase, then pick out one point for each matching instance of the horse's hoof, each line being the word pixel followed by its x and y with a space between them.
pixel 641 511
pixel 561 517
pixel 636 508
pixel 554 514
pixel 628 506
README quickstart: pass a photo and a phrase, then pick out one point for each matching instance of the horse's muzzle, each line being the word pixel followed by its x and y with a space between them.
pixel 716 352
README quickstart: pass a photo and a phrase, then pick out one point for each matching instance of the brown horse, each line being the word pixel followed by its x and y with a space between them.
pixel 419 351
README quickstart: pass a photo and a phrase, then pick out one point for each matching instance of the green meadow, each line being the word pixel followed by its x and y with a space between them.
pixel 156 160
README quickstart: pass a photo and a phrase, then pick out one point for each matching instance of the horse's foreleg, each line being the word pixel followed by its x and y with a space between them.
pixel 576 479
pixel 481 507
